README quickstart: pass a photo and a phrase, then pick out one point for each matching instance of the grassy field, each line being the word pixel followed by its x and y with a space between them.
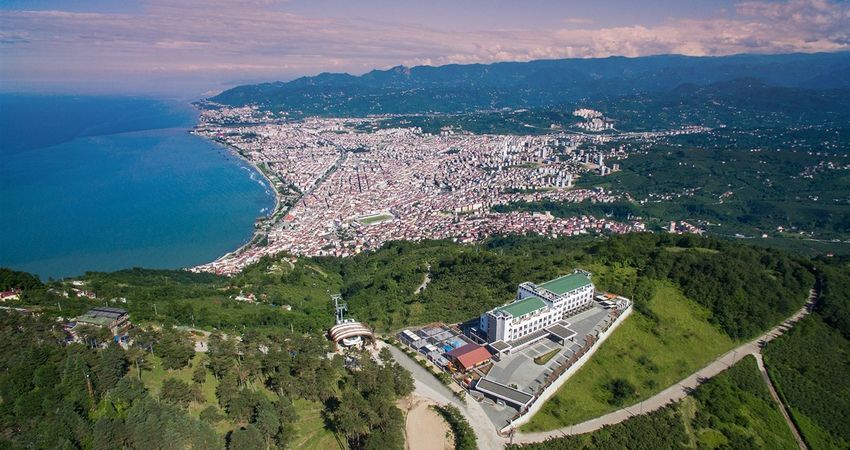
pixel 369 220
pixel 311 433
pixel 650 355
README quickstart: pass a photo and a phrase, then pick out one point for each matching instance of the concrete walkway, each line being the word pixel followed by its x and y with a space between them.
pixel 677 391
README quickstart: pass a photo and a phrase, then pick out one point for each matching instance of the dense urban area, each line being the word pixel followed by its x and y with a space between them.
pixel 627 260
pixel 345 186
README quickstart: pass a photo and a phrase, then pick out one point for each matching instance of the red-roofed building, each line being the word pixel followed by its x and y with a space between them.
pixel 13 294
pixel 469 356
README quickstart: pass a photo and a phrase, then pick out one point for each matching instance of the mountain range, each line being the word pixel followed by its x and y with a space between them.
pixel 462 88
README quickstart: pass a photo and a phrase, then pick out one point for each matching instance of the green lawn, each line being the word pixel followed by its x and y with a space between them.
pixel 649 355
pixel 369 220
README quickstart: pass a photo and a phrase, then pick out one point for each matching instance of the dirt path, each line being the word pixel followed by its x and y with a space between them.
pixel 676 392
pixel 425 280
pixel 775 395
pixel 424 428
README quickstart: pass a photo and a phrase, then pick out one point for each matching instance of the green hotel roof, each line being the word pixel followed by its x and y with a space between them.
pixel 566 283
pixel 102 321
pixel 522 307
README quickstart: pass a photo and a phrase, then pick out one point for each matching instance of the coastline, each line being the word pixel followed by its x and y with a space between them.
pixel 209 207
pixel 260 231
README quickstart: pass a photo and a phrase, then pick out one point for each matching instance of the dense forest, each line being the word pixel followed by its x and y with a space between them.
pixel 241 393
pixel 58 395
pixel 745 288
pixel 467 281
pixel 731 410
pixel 809 365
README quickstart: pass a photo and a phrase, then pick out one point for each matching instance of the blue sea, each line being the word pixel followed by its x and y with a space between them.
pixel 107 183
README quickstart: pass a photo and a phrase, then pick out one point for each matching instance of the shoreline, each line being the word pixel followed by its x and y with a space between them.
pixel 258 233
pixel 160 149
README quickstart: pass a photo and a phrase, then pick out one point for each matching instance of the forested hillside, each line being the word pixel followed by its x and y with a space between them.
pixel 809 365
pixel 745 288
pixel 159 394
pixel 236 395
pixel 464 88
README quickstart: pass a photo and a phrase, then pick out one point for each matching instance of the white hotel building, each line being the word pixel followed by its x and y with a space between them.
pixel 537 311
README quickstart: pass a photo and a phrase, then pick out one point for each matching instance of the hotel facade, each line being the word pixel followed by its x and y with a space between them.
pixel 536 308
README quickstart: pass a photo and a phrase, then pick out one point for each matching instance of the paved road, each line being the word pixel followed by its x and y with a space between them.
pixel 426 385
pixel 675 392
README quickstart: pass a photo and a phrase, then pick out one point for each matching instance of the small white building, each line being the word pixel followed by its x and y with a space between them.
pixel 538 307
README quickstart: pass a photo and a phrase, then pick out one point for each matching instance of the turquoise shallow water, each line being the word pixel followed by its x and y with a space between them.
pixel 105 199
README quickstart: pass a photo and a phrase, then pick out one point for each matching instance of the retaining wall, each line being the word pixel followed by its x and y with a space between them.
pixel 553 388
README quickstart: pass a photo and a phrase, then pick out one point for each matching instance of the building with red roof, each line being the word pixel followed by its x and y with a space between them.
pixel 469 356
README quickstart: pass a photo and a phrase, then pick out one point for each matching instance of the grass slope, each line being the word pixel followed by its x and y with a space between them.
pixel 732 410
pixel 651 355
pixel 735 409
pixel 311 433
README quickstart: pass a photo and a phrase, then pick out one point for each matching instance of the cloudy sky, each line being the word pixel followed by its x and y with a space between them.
pixel 194 46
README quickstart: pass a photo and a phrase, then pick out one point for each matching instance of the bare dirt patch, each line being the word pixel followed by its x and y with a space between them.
pixel 424 428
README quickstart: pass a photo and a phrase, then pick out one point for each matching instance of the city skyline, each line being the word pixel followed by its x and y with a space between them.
pixel 202 46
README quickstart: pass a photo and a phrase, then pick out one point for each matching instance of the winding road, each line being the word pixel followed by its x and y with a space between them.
pixel 428 386
pixel 679 390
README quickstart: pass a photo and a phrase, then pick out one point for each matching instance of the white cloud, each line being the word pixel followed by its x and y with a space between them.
pixel 218 39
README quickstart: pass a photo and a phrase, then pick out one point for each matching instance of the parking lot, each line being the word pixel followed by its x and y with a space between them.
pixel 516 370
pixel 519 370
